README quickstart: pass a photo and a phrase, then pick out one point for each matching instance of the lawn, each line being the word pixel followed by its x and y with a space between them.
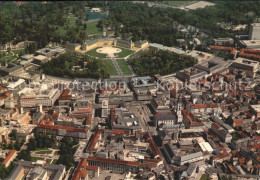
pixel 204 177
pixel 178 3
pixel 125 52
pixel 91 27
pixel 7 58
pixel 110 67
pixel 94 53
pixel 124 67
pixel 17 51
pixel 44 152
pixel 34 159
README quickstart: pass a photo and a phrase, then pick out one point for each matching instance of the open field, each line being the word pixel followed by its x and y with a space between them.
pixel 17 51
pixel 34 159
pixel 124 67
pixel 10 57
pixel 44 152
pixel 178 3
pixel 125 52
pixel 110 67
pixel 94 53
pixel 92 28
pixel 7 59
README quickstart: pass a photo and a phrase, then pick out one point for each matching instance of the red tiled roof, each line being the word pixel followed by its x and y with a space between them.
pixel 215 125
pixel 250 53
pixel 130 163
pixel 241 160
pixel 230 49
pixel 81 170
pixel 79 173
pixel 213 105
pixel 191 118
pixel 153 147
pixel 230 168
pixel 47 122
pixel 119 132
pixel 48 125
pixel 65 95
pixel 199 106
pixel 95 139
pixel 237 122
pixel 28 99
pixel 9 156
pixel 83 110
pixel 222 156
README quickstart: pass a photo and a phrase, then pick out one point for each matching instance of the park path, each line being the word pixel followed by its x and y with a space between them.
pixel 51 156
pixel 117 67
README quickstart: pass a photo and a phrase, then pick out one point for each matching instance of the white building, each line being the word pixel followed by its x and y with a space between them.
pixel 33 98
pixel 254 31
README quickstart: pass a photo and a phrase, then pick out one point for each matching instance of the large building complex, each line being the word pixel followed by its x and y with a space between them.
pixel 34 97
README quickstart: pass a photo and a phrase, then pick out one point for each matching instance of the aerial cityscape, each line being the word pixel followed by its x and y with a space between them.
pixel 129 90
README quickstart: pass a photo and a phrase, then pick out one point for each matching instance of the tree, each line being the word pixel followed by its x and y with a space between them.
pixel 25 155
pixel 32 144
pixel 12 135
pixel 85 26
pixel 184 47
pixel 190 46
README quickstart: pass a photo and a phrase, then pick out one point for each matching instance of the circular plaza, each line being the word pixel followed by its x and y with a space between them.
pixel 109 51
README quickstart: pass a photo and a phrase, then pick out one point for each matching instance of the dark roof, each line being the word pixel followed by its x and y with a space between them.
pixel 123 41
pixel 164 117
pixel 141 42
pixel 11 68
pixel 72 44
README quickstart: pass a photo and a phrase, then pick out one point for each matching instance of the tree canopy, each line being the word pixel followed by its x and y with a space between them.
pixel 62 66
pixel 162 62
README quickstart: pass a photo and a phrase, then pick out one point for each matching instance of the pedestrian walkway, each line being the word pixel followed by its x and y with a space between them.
pixel 119 72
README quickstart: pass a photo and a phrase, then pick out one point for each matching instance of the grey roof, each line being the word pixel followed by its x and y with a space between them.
pixel 173 126
pixel 227 127
pixel 12 68
pixel 124 41
pixel 242 140
pixel 155 45
pixel 72 44
pixel 27 164
pixel 91 42
pixel 191 156
pixel 192 167
pixel 164 117
pixel 37 116
pixel 141 42
pixel 15 172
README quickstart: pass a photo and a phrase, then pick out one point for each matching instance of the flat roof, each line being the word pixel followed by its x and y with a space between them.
pixel 40 57
pixel 250 42
pixel 256 107
pixel 245 61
